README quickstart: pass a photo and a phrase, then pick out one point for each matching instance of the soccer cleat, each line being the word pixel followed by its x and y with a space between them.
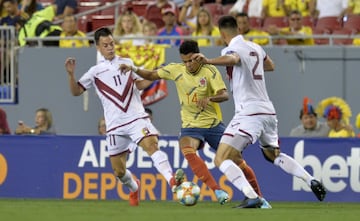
pixel 265 204
pixel 221 196
pixel 250 203
pixel 318 189
pixel 178 178
pixel 134 196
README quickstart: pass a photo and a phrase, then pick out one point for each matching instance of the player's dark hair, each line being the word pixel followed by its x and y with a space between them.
pixel 189 46
pixel 227 22
pixel 101 32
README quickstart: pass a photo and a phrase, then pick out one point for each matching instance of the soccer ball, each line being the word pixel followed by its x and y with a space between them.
pixel 188 193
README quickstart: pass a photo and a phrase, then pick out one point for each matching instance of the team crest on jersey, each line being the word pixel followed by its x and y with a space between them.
pixel 146 131
pixel 202 82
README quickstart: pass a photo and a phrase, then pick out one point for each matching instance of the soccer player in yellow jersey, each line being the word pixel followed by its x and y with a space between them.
pixel 200 90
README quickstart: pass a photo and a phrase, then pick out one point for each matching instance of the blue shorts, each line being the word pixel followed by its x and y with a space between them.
pixel 210 135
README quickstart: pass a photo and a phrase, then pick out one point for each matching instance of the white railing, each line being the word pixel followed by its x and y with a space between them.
pixel 330 38
pixel 8 69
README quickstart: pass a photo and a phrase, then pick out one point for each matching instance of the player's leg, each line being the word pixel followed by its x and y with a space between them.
pixel 271 151
pixel 189 146
pixel 119 148
pixel 124 175
pixel 213 137
pixel 159 158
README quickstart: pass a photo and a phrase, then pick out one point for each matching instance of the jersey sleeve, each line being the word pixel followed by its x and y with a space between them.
pixel 169 72
pixel 87 79
pixel 217 82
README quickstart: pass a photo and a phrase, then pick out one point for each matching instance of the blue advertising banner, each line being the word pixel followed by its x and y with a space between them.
pixel 77 167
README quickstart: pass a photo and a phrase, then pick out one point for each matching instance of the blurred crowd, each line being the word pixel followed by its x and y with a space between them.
pixel 292 22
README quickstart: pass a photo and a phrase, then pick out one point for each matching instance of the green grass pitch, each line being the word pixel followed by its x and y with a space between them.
pixel 109 210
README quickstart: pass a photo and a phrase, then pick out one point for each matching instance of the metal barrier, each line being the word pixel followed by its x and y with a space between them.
pixel 8 67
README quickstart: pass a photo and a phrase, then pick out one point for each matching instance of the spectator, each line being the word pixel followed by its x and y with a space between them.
pixel 171 28
pixel 357 123
pixel 273 8
pixel 30 6
pixel 295 28
pixel 43 124
pixel 149 29
pixel 4 126
pixel 127 25
pixel 242 20
pixel 102 126
pixel 310 126
pixel 12 11
pixel 205 27
pixel 154 10
pixel 188 13
pixel 322 8
pixel 69 27
pixel 337 113
pixel 38 25
pixel 303 6
pixel 253 8
pixel 65 7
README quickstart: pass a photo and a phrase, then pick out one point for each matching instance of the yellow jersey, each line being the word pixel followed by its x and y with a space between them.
pixel 204 41
pixel 253 32
pixel 274 9
pixel 355 4
pixel 72 43
pixel 300 5
pixel 305 30
pixel 341 133
pixel 205 83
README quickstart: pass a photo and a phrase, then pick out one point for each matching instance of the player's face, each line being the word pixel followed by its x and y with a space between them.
pixel 106 47
pixel 191 65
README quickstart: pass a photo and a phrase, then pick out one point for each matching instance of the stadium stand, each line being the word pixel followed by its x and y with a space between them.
pixel 98 21
pixel 352 23
pixel 280 22
pixel 328 23
pixel 343 41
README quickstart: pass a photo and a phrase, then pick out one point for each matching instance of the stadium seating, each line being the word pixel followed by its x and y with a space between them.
pixel 280 22
pixel 84 24
pixel 352 23
pixel 328 23
pixel 98 21
pixel 343 41
pixel 86 6
pixel 308 21
pixel 255 22
pixel 216 10
pixel 321 41
pixel 226 8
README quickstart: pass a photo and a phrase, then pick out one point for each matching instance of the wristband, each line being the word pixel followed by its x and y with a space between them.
pixel 134 69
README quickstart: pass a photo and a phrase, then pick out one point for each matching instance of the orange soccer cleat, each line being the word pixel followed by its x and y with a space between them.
pixel 134 196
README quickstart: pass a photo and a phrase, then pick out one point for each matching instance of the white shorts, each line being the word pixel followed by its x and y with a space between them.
pixel 257 127
pixel 127 137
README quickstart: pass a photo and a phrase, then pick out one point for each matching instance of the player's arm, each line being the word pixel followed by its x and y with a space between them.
pixel 146 74
pixel 75 88
pixel 224 60
pixel 142 84
pixel 220 96
pixel 269 65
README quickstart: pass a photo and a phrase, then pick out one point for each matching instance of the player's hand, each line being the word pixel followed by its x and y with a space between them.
pixel 202 103
pixel 123 68
pixel 200 58
pixel 70 65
